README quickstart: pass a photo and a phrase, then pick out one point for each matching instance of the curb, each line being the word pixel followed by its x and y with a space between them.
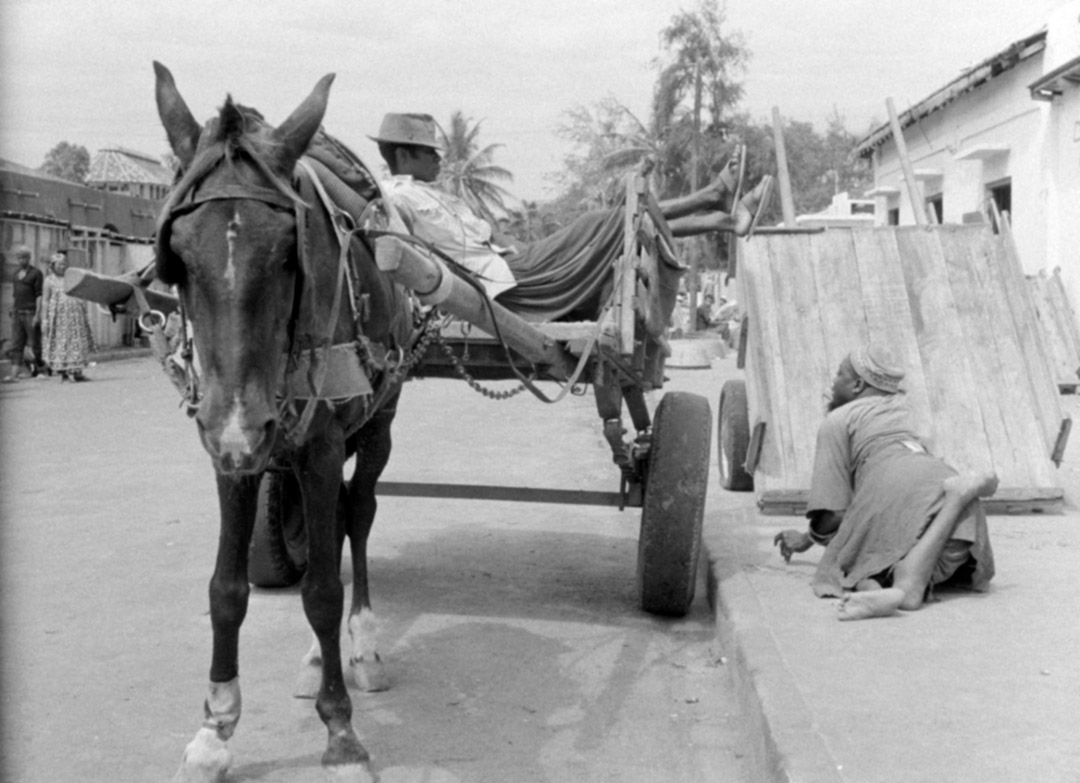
pixel 785 746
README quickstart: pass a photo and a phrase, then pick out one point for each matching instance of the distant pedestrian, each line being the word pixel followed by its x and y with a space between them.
pixel 25 317
pixel 703 320
pixel 68 340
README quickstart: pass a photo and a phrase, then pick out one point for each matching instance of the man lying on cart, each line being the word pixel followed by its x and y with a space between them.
pixel 559 276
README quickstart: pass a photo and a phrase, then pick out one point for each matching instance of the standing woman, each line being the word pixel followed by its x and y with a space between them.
pixel 67 337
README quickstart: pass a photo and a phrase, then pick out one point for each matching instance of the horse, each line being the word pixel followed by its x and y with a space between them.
pixel 268 295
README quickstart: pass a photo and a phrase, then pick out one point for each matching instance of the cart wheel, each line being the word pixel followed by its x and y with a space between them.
pixel 733 438
pixel 676 480
pixel 277 555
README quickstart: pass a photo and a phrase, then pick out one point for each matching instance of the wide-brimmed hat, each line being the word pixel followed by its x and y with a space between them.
pixel 414 129
pixel 875 365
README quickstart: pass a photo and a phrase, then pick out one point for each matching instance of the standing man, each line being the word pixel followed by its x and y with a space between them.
pixel 893 519
pixel 25 316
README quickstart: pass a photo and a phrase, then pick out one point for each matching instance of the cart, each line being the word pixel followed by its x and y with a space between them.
pixel 663 462
pixel 949 301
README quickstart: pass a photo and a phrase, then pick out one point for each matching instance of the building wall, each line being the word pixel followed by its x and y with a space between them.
pixel 1042 162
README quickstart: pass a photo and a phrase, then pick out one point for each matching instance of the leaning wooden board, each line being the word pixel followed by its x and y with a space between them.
pixel 944 299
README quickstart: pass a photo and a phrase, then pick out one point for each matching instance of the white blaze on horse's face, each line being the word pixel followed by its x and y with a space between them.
pixel 231 233
pixel 235 442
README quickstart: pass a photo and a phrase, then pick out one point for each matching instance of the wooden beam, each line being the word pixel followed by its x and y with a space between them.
pixel 787 201
pixel 913 188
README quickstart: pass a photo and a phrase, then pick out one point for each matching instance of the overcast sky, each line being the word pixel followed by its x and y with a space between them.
pixel 80 71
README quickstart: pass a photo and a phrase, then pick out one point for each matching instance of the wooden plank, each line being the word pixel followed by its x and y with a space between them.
pixel 787 202
pixel 1008 379
pixel 1007 500
pixel 802 359
pixel 836 275
pixel 958 428
pixel 1070 331
pixel 997 385
pixel 762 387
pixel 918 206
pixel 887 311
pixel 1045 399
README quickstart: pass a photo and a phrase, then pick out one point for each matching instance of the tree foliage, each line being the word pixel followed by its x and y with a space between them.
pixel 609 139
pixel 470 172
pixel 68 161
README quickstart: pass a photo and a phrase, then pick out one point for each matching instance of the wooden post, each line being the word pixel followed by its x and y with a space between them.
pixel 695 157
pixel 787 202
pixel 913 189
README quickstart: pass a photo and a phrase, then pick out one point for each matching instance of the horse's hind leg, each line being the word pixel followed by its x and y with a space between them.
pixel 372 453
pixel 207 756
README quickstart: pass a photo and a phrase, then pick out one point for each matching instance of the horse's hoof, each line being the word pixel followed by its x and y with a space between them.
pixel 308 683
pixel 351 773
pixel 206 759
pixel 369 676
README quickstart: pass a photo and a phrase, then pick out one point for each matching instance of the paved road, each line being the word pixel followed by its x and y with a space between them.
pixel 514 643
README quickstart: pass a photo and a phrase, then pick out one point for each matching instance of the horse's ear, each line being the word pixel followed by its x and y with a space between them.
pixel 296 132
pixel 180 126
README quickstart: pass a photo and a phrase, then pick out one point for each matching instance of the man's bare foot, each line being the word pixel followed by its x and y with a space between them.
pixel 751 206
pixel 871 603
pixel 968 486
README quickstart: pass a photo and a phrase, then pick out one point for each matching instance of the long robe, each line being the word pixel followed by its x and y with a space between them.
pixel 871 465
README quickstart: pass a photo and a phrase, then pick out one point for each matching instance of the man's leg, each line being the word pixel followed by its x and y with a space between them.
pixel 715 197
pixel 35 347
pixel 18 345
pixel 738 223
pixel 912 574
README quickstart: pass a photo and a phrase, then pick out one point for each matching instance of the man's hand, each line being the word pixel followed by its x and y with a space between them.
pixel 792 541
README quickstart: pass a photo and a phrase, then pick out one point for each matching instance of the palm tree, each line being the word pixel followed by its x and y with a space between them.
pixel 470 173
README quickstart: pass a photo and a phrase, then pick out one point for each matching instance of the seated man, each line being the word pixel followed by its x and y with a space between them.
pixel 894 520
pixel 704 320
pixel 558 276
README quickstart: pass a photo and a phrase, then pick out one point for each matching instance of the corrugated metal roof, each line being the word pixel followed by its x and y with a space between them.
pixel 970 79
pixel 121 165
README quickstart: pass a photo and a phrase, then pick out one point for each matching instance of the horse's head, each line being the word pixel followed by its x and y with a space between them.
pixel 228 240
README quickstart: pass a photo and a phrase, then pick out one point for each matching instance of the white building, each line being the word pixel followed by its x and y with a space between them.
pixel 1007 130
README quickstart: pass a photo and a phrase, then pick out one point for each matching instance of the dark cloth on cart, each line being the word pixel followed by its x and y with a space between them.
pixel 569 274
pixel 870 464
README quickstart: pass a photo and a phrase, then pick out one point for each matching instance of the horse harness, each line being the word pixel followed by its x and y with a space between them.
pixel 355 363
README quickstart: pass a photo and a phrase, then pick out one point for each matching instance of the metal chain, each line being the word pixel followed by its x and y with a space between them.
pixel 474 384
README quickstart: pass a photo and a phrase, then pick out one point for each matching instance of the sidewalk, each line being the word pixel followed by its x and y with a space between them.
pixel 971 688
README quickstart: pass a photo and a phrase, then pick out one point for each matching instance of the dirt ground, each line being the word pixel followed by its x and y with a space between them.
pixel 512 635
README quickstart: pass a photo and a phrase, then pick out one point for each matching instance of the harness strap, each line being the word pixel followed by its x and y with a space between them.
pixel 317 373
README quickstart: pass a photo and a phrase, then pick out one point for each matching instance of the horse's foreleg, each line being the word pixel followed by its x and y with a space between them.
pixel 207 756
pixel 372 454
pixel 324 597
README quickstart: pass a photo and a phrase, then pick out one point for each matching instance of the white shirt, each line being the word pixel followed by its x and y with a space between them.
pixel 449 224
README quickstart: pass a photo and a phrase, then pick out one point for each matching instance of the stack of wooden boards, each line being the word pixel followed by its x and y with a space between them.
pixel 952 304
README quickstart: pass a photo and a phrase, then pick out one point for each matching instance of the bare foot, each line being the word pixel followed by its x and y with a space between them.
pixel 751 206
pixel 968 486
pixel 872 603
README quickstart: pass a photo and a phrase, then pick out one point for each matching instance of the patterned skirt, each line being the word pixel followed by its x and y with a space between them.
pixel 66 338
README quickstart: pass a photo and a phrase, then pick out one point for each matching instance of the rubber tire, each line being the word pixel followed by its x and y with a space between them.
pixel 676 481
pixel 733 438
pixel 277 554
